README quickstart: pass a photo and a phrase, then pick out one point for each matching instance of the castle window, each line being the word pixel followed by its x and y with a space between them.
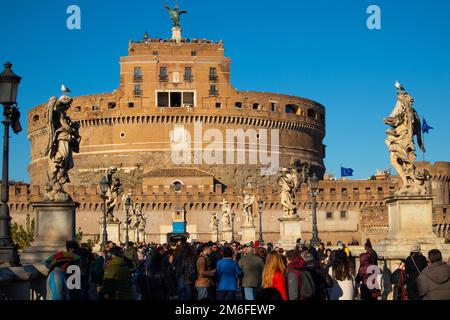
pixel 344 190
pixel 380 189
pixel 95 108
pixel 187 74
pixel 343 214
pixel 163 76
pixel 188 99
pixel 111 105
pixel 273 106
pixel 137 74
pixel 329 215
pixel 130 104
pixel 177 186
pixel 36 117
pixel 291 108
pixel 137 90
pixel 175 99
pixel 193 53
pixel 213 74
pixel 256 106
pixel 122 135
pixel 311 113
pixel 213 90
pixel 163 99
pixel 155 53
pixel 238 105
pixel 78 109
pixel 218 105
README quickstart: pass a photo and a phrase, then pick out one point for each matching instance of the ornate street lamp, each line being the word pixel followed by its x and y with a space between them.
pixel 104 185
pixel 127 210
pixel 314 184
pixel 217 229
pixel 9 86
pixel 260 207
pixel 233 215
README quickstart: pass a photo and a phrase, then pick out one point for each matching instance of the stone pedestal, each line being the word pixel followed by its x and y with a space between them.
pixel 55 224
pixel 410 222
pixel 227 235
pixel 176 34
pixel 248 234
pixel 290 231
pixel 113 230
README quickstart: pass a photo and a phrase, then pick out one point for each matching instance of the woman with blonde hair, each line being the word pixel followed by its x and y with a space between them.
pixel 274 273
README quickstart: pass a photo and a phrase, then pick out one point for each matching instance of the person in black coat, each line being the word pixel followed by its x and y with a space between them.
pixel 414 265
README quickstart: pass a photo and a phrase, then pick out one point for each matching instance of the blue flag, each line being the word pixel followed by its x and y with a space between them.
pixel 425 127
pixel 346 172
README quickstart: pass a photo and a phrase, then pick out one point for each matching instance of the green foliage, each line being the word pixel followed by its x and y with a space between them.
pixel 23 237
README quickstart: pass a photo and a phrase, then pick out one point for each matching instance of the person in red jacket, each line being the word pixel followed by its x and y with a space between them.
pixel 274 274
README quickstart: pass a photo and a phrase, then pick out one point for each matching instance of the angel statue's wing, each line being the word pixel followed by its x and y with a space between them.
pixel 182 12
pixel 50 126
pixel 168 8
pixel 417 130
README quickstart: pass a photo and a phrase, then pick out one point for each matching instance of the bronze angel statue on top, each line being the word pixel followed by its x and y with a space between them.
pixel 63 140
pixel 175 15
pixel 405 124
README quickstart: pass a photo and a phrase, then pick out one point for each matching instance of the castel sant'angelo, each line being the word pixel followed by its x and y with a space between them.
pixel 174 100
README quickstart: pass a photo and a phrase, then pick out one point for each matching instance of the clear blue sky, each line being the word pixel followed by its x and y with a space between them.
pixel 318 49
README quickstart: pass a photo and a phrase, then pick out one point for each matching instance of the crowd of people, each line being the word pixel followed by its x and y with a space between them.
pixel 251 271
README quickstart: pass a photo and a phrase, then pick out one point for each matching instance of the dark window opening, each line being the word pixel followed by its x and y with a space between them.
pixel 111 105
pixel 213 90
pixel 130 104
pixel 329 215
pixel 95 108
pixel 238 105
pixel 188 99
pixel 273 106
pixel 311 113
pixel 177 186
pixel 175 99
pixel 78 108
pixel 155 53
pixel 291 108
pixel 218 105
pixel 256 106
pixel 36 117
pixel 137 90
pixel 187 74
pixel 343 214
pixel 194 53
pixel 163 99
pixel 163 76
pixel 213 74
pixel 137 74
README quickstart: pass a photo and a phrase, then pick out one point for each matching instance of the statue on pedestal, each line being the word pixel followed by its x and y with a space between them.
pixel 290 183
pixel 247 205
pixel 226 216
pixel 405 124
pixel 112 195
pixel 63 140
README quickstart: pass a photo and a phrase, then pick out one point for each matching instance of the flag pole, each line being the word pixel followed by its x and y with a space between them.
pixel 423 138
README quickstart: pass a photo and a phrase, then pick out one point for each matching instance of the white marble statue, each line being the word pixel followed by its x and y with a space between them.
pixel 289 182
pixel 247 211
pixel 226 215
pixel 405 124
pixel 213 222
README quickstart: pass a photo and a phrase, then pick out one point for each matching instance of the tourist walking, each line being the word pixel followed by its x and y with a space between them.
pixel 117 280
pixel 252 268
pixel 414 265
pixel 56 279
pixel 187 273
pixel 294 274
pixel 204 273
pixel 274 273
pixel 343 282
pixel 433 282
pixel 227 274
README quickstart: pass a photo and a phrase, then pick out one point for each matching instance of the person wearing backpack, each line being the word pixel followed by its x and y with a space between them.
pixel 313 284
pixel 188 272
pixel 295 264
pixel 227 273
pixel 252 266
pixel 414 265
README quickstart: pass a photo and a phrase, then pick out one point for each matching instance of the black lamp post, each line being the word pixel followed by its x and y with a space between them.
pixel 233 215
pixel 217 229
pixel 127 210
pixel 104 185
pixel 314 183
pixel 9 85
pixel 260 207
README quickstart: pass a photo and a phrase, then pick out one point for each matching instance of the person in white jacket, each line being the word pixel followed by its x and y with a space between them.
pixel 343 287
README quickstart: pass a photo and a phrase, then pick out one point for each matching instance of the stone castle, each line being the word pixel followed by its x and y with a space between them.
pixel 169 85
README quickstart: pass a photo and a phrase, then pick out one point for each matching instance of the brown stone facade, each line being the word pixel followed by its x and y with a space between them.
pixel 165 85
